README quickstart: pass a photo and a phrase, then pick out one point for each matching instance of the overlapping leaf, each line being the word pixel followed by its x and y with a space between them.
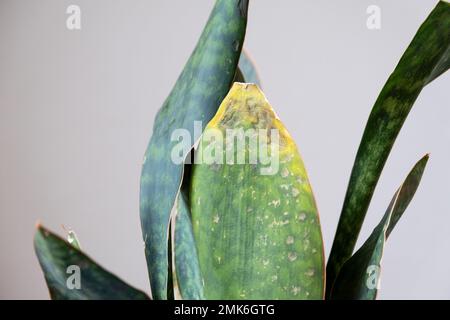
pixel 427 57
pixel 187 270
pixel 60 261
pixel 360 275
pixel 196 96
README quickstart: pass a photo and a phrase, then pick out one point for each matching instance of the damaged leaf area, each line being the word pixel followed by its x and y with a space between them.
pixel 255 223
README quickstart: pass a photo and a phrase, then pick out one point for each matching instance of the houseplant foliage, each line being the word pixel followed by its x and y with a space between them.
pixel 225 231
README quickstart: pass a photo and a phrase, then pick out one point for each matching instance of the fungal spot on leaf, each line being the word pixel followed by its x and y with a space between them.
pixel 275 203
pixel 306 244
pixel 216 218
pixel 284 172
pixel 295 192
pixel 290 240
pixel 309 273
pixel 292 256
pixel 276 223
pixel 295 290
pixel 302 216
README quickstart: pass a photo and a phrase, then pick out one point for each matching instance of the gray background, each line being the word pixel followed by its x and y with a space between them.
pixel 77 107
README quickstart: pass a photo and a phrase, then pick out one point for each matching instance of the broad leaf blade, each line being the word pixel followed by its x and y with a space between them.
pixel 257 232
pixel 426 57
pixel 196 96
pixel 359 276
pixel 56 256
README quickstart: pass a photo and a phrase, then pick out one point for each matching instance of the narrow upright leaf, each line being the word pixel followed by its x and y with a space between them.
pixel 187 268
pixel 201 87
pixel 426 58
pixel 71 275
pixel 254 216
pixel 360 275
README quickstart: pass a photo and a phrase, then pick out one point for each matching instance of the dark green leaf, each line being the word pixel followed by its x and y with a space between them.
pixel 360 275
pixel 60 261
pixel 201 87
pixel 189 279
pixel 426 58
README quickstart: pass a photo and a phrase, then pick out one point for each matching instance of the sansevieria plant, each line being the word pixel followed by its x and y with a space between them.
pixel 226 207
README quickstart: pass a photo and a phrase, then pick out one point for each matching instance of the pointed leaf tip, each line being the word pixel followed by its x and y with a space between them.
pixel 359 277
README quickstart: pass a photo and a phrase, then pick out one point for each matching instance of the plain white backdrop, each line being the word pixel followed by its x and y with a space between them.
pixel 77 108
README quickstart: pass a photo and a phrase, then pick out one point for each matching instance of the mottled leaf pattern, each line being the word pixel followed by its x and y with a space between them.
pixel 196 96
pixel 189 279
pixel 258 236
pixel 360 275
pixel 56 256
pixel 426 57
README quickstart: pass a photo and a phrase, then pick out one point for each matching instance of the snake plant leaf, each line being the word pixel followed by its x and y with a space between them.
pixel 204 82
pixel 426 58
pixel 71 275
pixel 248 69
pixel 254 215
pixel 187 268
pixel 360 275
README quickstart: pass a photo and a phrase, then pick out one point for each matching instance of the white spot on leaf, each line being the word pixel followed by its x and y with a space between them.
pixel 292 256
pixel 290 240
pixel 309 273
pixel 302 216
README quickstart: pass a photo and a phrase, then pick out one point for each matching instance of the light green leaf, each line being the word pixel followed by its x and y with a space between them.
pixel 255 223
